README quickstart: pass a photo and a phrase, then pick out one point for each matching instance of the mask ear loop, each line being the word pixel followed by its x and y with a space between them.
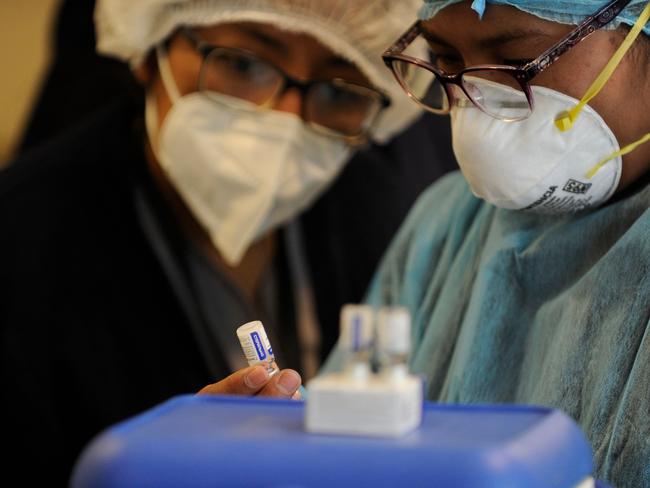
pixel 565 120
pixel 166 74
pixel 627 149
pixel 151 104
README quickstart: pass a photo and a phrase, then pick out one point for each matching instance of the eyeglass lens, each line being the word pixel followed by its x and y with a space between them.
pixel 495 92
pixel 338 106
pixel 423 85
pixel 341 107
pixel 498 93
pixel 240 75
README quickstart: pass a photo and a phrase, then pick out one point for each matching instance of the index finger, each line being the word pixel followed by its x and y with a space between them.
pixel 248 381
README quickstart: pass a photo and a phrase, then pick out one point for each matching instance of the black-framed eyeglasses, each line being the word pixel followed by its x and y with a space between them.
pixel 501 91
pixel 336 107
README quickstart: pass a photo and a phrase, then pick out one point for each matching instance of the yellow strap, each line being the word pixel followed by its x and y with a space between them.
pixel 627 149
pixel 565 120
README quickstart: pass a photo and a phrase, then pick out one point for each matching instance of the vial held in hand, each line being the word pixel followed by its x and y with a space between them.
pixel 256 346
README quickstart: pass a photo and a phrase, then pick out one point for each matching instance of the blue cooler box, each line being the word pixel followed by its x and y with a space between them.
pixel 207 441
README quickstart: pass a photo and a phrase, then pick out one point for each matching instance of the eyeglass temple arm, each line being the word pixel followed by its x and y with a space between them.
pixel 403 42
pixel 592 23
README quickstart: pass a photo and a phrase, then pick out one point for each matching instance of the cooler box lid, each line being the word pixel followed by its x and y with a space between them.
pixel 201 441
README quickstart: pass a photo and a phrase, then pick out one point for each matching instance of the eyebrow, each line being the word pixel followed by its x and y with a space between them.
pixel 281 48
pixel 339 62
pixel 265 39
pixel 494 41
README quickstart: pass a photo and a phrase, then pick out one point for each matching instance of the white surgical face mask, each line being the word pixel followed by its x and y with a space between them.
pixel 240 170
pixel 530 164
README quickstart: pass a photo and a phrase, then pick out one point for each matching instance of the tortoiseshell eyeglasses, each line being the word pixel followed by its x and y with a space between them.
pixel 501 91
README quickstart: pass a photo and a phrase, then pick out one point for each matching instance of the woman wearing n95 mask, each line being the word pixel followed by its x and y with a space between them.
pixel 146 236
pixel 249 119
pixel 527 272
pixel 242 142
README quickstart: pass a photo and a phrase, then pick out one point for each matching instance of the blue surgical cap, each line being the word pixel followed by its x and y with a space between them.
pixel 565 12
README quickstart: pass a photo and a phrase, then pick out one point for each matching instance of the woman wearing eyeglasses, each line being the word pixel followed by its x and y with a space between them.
pixel 528 275
pixel 132 247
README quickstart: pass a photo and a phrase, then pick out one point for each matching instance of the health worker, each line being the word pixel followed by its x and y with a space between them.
pixel 527 273
pixel 134 244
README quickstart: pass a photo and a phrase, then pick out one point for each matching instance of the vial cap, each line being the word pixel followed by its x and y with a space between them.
pixel 255 325
pixel 394 330
pixel 357 327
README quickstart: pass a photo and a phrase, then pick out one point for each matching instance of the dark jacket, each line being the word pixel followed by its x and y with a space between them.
pixel 92 329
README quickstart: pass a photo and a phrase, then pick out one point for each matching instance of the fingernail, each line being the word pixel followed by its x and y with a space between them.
pixel 257 377
pixel 288 382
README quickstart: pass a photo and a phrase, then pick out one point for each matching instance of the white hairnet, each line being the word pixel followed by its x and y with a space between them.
pixel 358 30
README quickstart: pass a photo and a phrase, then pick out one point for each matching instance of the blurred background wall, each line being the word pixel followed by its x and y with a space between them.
pixel 25 44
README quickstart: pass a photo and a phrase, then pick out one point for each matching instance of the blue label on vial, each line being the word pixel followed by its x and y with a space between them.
pixel 261 354
pixel 270 351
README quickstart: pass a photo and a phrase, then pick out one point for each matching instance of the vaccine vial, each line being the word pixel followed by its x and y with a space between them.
pixel 256 346
pixel 357 338
pixel 393 341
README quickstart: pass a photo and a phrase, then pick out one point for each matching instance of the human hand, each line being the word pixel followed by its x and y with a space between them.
pixel 255 380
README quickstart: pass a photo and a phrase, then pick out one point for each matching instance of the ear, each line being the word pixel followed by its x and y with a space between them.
pixel 146 72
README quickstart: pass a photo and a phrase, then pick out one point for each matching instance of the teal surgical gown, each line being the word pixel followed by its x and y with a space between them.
pixel 513 307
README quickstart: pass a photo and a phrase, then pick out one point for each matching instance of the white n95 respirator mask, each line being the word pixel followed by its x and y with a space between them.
pixel 240 170
pixel 530 164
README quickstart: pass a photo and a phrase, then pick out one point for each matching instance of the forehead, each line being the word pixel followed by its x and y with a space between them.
pixel 271 40
pixel 460 27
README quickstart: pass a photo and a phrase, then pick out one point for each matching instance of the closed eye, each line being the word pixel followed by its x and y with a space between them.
pixel 448 63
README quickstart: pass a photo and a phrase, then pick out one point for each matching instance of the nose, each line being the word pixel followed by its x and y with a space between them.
pixel 290 101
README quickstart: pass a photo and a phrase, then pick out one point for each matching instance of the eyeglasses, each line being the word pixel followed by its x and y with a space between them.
pixel 501 91
pixel 336 107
